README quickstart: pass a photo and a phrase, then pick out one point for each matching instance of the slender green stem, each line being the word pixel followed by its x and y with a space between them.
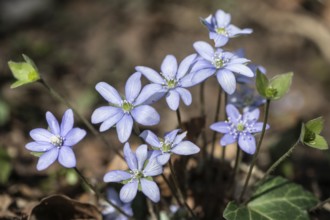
pixel 223 155
pixel 172 190
pixel 236 166
pixel 91 187
pixel 178 115
pixel 80 116
pixel 320 205
pixel 216 118
pixel 255 156
pixel 280 160
pixel 203 115
pixel 201 98
pixel 180 194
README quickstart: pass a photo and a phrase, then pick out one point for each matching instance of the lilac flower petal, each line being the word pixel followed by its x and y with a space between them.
pixel 150 189
pixel 222 18
pixel 128 191
pixel 240 69
pixel 257 127
pixel 101 114
pixel 108 93
pixel 207 22
pixel 234 31
pixel 153 168
pixel 66 157
pixel 112 195
pixel 41 134
pixel 149 137
pixel 116 176
pixel 247 143
pixel 173 100
pixel 127 208
pixel 179 138
pixel 238 61
pixel 227 81
pixel 202 75
pixel 185 95
pixel 169 67
pixel 150 74
pixel 111 121
pixel 219 39
pixel 227 139
pixel 251 115
pixel 67 122
pixel 185 65
pixel 185 148
pixel 133 87
pixel 204 49
pixel 233 113
pixel 221 127
pixel 130 157
pixel 53 123
pixel 150 93
pixel 153 154
pixel 145 115
pixel 202 64
pixel 47 159
pixel 124 128
pixel 39 146
pixel 141 155
pixel 163 158
pixel 170 136
pixel 74 136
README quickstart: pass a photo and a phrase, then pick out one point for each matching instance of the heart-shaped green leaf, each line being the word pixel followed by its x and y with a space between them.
pixel 280 85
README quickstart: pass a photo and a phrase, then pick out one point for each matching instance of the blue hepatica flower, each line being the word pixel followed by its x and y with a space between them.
pixel 142 167
pixel 221 63
pixel 220 28
pixel 110 213
pixel 171 143
pixel 56 143
pixel 239 128
pixel 122 111
pixel 172 81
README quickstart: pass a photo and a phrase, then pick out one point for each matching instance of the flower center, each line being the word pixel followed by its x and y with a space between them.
pixel 221 31
pixel 240 127
pixel 171 83
pixel 166 147
pixel 219 61
pixel 137 174
pixel 126 106
pixel 57 140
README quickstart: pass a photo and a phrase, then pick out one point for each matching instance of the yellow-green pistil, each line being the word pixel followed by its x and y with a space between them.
pixel 171 83
pixel 222 31
pixel 166 147
pixel 57 140
pixel 240 127
pixel 127 107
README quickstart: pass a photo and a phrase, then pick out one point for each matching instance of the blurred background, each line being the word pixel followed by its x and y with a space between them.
pixel 79 43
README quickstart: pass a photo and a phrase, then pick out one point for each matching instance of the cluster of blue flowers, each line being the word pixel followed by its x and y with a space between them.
pixel 231 69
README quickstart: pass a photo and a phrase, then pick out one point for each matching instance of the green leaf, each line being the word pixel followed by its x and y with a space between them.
pixel 319 143
pixel 5 165
pixel 315 125
pixel 279 85
pixel 261 83
pixel 309 134
pixel 274 199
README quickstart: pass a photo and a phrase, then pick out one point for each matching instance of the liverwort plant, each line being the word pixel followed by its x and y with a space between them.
pixel 239 128
pixel 171 143
pixel 142 167
pixel 122 112
pixel 56 143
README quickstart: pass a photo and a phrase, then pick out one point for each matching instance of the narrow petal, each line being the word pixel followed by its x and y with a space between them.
pixel 39 146
pixel 200 64
pixel 151 93
pixel 219 39
pixel 133 87
pixel 130 157
pixel 169 67
pixel 185 95
pixel 128 191
pixel 153 154
pixel 145 115
pixel 108 93
pixel 257 127
pixel 222 18
pixel 153 168
pixel 53 123
pixel 202 75
pixel 170 136
pixel 227 81
pixel 185 148
pixel 74 136
pixel 103 113
pixel 173 100
pixel 116 176
pixel 251 115
pixel 221 127
pixel 150 189
pixel 204 49
pixel 124 128
pixel 233 113
pixel 247 143
pixel 113 196
pixel 66 157
pixel 47 159
pixel 185 66
pixel 240 69
pixel 150 74
pixel 227 139
pixel 41 134
pixel 163 158
pixel 179 138
pixel 234 31
pixel 141 155
pixel 149 137
pixel 111 121
pixel 67 122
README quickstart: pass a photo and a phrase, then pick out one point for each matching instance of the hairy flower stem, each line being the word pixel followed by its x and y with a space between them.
pixel 319 205
pixel 172 190
pixel 216 118
pixel 80 116
pixel 280 160
pixel 178 115
pixel 92 188
pixel 255 156
pixel 180 194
